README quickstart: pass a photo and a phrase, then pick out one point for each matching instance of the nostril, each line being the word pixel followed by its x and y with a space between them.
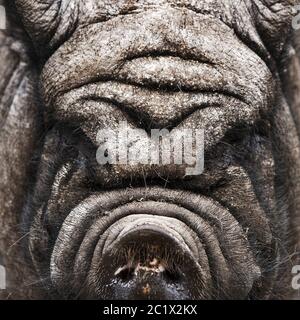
pixel 171 276
pixel 125 273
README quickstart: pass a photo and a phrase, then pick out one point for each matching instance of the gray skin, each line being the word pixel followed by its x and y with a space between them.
pixel 72 229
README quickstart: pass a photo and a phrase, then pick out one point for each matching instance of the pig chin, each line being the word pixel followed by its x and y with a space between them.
pixel 150 243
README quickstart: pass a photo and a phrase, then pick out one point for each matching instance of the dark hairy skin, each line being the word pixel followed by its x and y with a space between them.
pixel 73 229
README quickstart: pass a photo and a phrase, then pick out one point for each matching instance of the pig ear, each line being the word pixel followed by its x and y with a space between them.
pixel 48 22
pixel 274 22
pixel 20 131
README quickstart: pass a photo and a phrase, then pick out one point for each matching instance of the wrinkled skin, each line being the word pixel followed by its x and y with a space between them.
pixel 72 229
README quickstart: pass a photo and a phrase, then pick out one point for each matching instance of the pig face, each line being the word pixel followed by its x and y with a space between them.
pixel 152 231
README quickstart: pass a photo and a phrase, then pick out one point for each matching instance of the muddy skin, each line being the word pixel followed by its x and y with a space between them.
pixel 73 229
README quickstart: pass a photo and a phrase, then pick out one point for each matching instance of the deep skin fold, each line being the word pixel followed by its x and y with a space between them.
pixel 244 172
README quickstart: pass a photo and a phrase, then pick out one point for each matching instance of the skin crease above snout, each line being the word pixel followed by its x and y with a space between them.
pixel 117 231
